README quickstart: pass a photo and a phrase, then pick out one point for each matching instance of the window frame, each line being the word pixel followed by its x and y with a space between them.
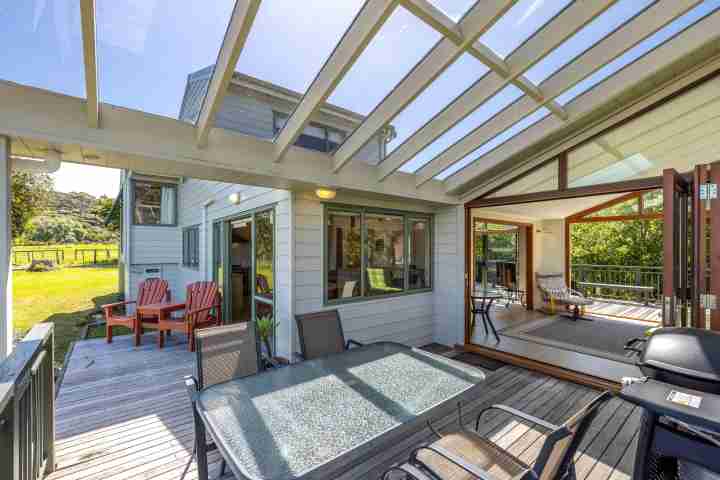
pixel 187 252
pixel 133 198
pixel 326 129
pixel 408 218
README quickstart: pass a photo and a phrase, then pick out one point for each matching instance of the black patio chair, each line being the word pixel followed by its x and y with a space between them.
pixel 222 354
pixel 321 334
pixel 466 454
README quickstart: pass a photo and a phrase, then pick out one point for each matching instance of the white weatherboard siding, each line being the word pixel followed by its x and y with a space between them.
pixel 448 276
pixel 196 196
pixel 406 319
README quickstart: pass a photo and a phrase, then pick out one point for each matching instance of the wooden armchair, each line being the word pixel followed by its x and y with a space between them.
pixel 203 308
pixel 151 290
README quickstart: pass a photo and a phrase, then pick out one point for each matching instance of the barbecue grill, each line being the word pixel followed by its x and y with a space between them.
pixel 679 436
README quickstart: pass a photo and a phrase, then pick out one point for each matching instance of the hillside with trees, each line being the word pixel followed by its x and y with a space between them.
pixel 42 215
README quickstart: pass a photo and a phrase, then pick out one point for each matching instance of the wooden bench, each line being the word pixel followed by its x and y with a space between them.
pixel 645 290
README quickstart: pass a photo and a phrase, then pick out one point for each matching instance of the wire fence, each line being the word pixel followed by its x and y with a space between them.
pixel 24 255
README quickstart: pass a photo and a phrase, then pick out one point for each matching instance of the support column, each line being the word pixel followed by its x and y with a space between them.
pixel 6 323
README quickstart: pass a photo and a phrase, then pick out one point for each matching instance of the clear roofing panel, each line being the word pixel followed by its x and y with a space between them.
pixel 42 45
pixel 397 47
pixel 288 46
pixel 146 50
pixel 482 114
pixel 519 23
pixel 491 145
pixel 610 20
pixel 641 49
pixel 465 71
pixel 454 9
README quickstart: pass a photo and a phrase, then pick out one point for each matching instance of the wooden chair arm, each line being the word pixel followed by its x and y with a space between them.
pixel 200 310
pixel 109 306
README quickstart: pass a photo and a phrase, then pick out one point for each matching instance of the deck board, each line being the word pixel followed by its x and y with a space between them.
pixel 123 414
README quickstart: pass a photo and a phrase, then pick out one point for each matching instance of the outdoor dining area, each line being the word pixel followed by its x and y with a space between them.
pixel 332 409
pixel 325 413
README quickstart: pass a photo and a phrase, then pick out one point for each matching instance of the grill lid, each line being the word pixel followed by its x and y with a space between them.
pixel 686 351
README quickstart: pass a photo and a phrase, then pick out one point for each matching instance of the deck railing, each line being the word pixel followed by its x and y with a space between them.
pixel 630 276
pixel 27 407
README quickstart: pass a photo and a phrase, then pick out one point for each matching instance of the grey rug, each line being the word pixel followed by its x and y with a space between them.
pixel 600 337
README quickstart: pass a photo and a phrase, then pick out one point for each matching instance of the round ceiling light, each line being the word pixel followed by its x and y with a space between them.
pixel 325 193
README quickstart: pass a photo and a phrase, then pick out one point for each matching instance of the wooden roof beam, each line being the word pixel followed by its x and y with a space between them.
pixel 241 21
pixel 480 17
pixel 611 47
pixel 369 20
pixel 696 37
pixel 564 25
pixel 87 20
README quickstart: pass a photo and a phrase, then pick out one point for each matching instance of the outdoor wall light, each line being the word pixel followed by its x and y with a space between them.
pixel 235 198
pixel 325 193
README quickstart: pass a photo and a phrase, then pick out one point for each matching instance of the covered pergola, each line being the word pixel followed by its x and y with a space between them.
pixel 575 68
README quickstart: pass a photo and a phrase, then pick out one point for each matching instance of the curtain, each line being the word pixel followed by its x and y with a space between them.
pixel 167 206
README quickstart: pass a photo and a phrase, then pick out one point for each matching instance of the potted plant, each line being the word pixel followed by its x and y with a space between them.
pixel 265 328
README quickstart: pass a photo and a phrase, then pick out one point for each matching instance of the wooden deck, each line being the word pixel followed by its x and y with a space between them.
pixel 123 413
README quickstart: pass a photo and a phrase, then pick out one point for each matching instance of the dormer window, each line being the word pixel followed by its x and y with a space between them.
pixel 315 136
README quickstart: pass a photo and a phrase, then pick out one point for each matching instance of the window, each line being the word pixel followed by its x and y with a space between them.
pixel 314 136
pixel 153 203
pixel 371 253
pixel 191 247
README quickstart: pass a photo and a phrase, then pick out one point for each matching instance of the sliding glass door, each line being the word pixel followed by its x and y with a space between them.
pixel 244 265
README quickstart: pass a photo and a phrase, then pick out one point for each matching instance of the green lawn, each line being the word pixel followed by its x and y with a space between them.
pixel 64 296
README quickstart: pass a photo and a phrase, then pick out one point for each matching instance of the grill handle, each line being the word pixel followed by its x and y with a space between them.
pixel 630 345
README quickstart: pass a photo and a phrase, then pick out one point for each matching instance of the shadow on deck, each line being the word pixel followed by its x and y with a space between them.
pixel 123 413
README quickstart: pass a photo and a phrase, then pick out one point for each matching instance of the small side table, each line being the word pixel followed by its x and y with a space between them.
pixel 480 303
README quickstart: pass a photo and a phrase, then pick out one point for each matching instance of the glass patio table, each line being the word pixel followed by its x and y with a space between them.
pixel 317 419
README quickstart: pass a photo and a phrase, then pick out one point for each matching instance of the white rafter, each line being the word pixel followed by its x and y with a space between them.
pixel 430 14
pixel 480 17
pixel 704 34
pixel 369 20
pixel 564 25
pixel 241 21
pixel 605 51
pixel 87 18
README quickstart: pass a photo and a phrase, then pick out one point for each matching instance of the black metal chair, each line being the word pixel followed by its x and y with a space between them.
pixel 321 334
pixel 466 455
pixel 222 354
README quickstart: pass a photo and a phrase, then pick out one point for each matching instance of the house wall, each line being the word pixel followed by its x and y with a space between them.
pixel 406 319
pixel 449 276
pixel 415 319
pixel 202 203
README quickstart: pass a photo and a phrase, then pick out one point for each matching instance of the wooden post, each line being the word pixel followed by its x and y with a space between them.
pixel 699 251
pixel 6 323
pixel 715 247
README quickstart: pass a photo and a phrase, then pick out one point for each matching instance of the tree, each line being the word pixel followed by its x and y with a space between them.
pixel 634 242
pixel 104 210
pixel 30 193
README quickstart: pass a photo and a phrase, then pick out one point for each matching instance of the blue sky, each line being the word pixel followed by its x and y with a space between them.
pixel 146 49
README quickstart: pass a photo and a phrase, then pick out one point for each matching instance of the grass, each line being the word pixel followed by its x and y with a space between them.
pixel 65 296
pixel 68 252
